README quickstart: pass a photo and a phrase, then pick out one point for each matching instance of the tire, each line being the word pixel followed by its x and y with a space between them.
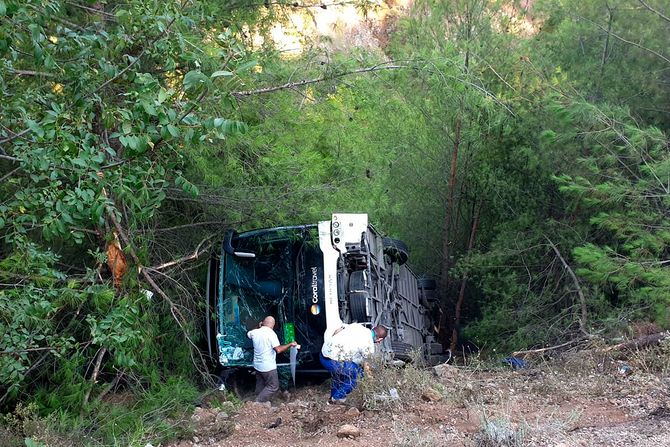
pixel 436 348
pixel 426 283
pixel 396 249
pixel 357 281
pixel 358 306
pixel 402 350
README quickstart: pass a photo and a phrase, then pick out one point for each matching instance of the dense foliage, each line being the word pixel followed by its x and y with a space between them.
pixel 521 153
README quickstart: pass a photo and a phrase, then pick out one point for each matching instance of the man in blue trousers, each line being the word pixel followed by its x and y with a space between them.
pixel 344 353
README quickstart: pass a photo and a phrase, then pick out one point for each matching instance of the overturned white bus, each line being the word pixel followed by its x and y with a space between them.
pixel 311 277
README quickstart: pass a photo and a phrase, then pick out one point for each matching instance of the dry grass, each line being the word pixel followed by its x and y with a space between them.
pixel 391 387
pixel 410 436
pixel 499 432
pixel 652 360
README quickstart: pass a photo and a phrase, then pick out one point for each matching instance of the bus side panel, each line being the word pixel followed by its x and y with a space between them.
pixel 310 315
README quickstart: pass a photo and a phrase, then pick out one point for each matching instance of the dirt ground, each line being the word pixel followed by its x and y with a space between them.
pixel 542 406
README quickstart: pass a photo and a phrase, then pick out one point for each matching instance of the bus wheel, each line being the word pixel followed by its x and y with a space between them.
pixel 396 250
pixel 358 306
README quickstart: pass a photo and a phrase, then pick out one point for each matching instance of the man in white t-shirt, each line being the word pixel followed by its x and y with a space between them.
pixel 343 354
pixel 266 348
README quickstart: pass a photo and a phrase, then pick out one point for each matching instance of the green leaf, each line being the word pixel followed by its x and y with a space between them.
pixel 79 162
pixel 246 66
pixel 194 79
pixel 149 108
pixel 29 442
pixel 3 8
pixel 163 95
pixel 36 128
pixel 194 191
pixel 127 127
pixel 174 130
pixel 97 212
pixel 220 73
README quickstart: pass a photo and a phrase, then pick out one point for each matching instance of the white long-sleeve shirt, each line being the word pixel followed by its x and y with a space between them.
pixel 351 343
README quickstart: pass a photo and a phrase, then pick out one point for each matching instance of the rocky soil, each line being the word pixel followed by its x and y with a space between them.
pixel 562 405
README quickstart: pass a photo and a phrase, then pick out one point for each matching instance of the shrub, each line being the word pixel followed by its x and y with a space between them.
pixel 392 386
pixel 499 432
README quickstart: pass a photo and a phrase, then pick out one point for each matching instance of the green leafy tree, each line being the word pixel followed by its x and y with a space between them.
pixel 101 104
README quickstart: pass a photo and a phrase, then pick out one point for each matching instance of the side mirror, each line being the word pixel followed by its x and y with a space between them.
pixel 228 247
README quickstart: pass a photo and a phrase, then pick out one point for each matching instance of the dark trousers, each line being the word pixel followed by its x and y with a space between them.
pixel 267 384
pixel 344 374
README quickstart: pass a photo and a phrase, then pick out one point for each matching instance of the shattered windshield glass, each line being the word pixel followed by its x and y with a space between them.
pixel 253 288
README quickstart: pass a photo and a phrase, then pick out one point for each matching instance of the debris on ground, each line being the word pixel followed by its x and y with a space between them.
pixel 431 395
pixel 348 431
pixel 571 404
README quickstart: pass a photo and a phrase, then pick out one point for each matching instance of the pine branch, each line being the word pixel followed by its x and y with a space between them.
pixel 655 11
pixel 291 85
pixel 616 36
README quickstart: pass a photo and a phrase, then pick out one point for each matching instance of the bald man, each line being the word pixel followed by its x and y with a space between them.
pixel 266 348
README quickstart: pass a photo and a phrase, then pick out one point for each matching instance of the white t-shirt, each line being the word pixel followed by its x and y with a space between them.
pixel 351 344
pixel 265 340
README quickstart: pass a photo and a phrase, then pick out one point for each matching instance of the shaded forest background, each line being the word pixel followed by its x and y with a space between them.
pixel 519 148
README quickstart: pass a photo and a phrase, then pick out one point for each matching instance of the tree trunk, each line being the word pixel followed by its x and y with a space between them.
pixel 446 238
pixel 606 48
pixel 464 280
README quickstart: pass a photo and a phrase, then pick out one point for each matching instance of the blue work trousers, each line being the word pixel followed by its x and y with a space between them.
pixel 344 374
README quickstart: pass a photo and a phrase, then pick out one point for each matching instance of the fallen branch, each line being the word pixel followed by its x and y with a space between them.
pixel 110 386
pixel 176 314
pixel 195 224
pixel 582 298
pixel 7 157
pixel 549 348
pixel 94 376
pixel 190 257
pixel 14 137
pixel 642 342
pixel 32 73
